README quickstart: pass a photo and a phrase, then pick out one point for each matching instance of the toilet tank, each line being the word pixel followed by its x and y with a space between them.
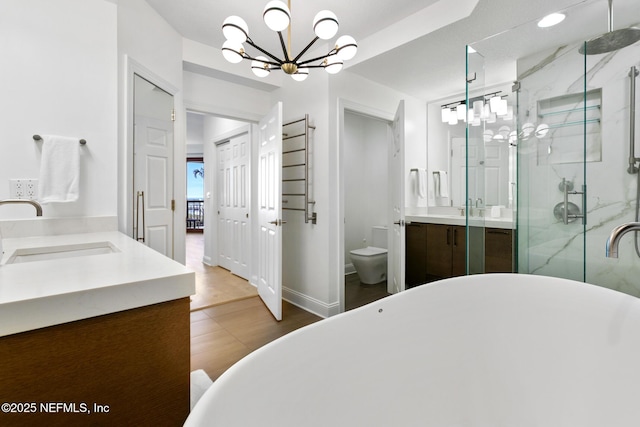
pixel 379 236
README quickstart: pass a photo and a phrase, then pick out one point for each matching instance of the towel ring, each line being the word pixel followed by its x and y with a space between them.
pixel 39 138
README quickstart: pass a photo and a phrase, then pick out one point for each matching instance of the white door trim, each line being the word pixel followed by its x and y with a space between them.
pixel 344 104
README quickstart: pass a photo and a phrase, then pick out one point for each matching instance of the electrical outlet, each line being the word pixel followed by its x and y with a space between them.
pixel 16 189
pixel 31 189
pixel 23 188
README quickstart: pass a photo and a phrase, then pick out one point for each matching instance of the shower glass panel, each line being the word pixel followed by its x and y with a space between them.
pixel 553 132
pixel 468 162
pixel 490 164
pixel 569 145
pixel 612 184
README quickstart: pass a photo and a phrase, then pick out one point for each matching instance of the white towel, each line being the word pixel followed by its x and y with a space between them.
pixel 200 382
pixel 422 183
pixel 59 169
pixel 441 183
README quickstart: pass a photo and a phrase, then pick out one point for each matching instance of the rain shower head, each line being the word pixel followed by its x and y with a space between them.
pixel 612 40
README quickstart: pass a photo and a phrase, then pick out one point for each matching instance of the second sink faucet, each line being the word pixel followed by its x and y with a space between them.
pixel 21 201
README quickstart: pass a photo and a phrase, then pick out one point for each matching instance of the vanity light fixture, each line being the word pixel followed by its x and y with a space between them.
pixel 277 16
pixel 483 109
pixel 551 20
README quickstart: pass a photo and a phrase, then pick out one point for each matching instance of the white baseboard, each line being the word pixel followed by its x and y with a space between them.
pixel 349 269
pixel 207 260
pixel 310 304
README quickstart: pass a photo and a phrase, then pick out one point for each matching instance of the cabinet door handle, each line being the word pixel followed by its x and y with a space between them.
pixel 455 237
pixel 448 236
pixel 139 196
pixel 496 231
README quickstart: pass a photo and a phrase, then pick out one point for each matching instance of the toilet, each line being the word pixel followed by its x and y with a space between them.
pixel 371 262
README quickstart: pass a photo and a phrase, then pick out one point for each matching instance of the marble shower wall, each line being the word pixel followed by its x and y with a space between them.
pixel 547 246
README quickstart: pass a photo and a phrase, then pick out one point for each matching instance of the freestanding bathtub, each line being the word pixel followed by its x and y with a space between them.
pixel 494 350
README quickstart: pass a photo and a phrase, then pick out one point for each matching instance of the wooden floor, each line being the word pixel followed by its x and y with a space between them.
pixel 214 285
pixel 227 324
pixel 224 334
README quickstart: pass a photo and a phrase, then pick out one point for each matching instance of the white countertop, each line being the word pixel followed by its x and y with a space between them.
pixel 487 222
pixel 49 292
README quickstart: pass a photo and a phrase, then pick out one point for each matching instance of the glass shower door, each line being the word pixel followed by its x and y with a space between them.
pixel 558 124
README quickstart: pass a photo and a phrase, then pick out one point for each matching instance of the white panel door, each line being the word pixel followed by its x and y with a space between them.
pixel 153 167
pixel 224 188
pixel 487 175
pixel 270 210
pixel 395 264
pixel 234 237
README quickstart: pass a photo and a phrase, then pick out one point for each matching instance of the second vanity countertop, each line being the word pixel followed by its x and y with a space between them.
pixel 487 222
pixel 53 291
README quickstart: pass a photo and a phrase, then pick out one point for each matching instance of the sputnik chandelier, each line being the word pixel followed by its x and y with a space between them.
pixel 277 16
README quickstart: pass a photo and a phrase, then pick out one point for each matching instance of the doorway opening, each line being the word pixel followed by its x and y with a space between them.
pixel 374 171
pixel 366 178
pixel 195 195
pixel 208 184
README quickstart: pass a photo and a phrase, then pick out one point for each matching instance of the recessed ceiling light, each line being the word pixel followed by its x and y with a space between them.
pixel 551 20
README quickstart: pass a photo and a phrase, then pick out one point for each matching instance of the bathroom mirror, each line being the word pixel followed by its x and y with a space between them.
pixel 490 154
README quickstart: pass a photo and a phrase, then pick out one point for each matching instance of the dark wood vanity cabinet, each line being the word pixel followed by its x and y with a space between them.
pixel 498 253
pixel 415 254
pixel 432 252
pixel 437 251
pixel 445 250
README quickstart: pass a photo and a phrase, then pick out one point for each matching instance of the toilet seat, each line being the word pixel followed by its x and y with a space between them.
pixel 368 251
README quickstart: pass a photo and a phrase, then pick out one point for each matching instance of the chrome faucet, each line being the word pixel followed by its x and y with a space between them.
pixel 27 201
pixel 616 235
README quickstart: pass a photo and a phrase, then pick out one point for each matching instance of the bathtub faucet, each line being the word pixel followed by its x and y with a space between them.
pixel 616 235
pixel 27 201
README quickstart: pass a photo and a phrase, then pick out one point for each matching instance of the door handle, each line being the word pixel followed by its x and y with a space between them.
pixel 277 222
pixel 139 197
pixel 400 222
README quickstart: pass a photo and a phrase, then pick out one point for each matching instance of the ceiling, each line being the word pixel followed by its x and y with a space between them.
pixel 428 66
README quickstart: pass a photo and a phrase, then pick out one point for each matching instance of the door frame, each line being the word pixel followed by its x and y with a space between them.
pixel 388 116
pixel 251 119
pixel 125 156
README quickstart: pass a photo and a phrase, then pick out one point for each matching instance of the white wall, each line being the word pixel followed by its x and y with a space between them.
pixel 58 76
pixel 306 247
pixel 195 134
pixel 147 41
pixel 366 152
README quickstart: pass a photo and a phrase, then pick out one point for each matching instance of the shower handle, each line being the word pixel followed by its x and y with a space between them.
pixel 633 73
pixel 566 216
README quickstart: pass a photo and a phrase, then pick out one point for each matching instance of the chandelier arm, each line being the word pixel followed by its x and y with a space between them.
pixel 305 49
pixel 245 55
pixel 333 52
pixel 284 47
pixel 278 60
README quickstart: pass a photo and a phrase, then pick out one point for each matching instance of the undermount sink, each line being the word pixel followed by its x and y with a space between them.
pixel 44 253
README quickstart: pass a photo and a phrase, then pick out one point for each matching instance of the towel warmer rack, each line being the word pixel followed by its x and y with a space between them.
pixel 39 138
pixel 296 144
